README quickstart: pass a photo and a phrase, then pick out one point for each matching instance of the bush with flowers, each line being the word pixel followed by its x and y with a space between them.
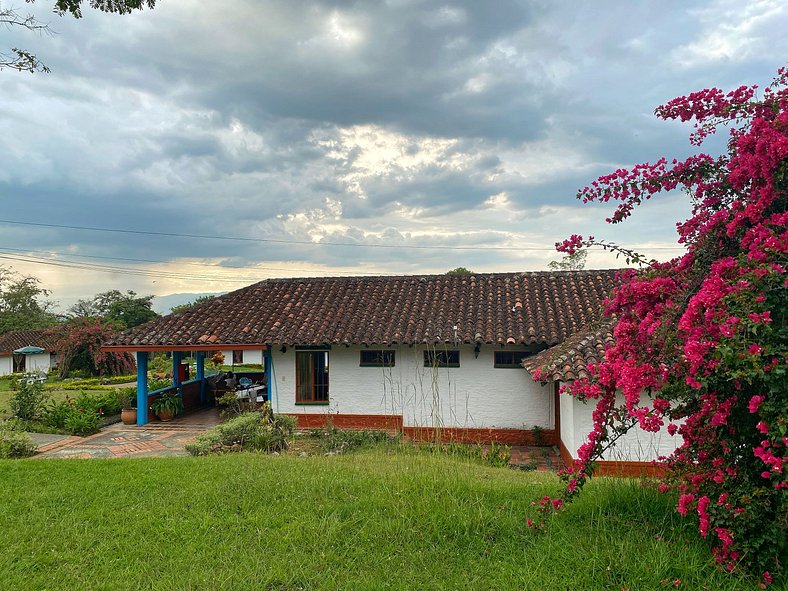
pixel 705 335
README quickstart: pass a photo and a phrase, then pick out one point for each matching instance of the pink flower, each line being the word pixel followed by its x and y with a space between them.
pixel 755 349
pixel 762 427
pixel 755 402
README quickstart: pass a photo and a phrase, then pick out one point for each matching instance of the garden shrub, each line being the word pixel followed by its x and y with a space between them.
pixel 82 422
pixel 29 402
pixel 82 415
pixel 261 431
pixel 57 413
pixel 15 444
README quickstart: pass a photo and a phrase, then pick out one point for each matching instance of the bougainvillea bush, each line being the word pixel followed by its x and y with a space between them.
pixel 705 335
pixel 79 349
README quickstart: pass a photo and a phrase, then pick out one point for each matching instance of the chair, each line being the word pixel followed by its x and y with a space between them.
pixel 244 382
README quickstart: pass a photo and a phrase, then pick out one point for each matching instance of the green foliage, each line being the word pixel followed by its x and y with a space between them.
pixel 168 403
pixel 82 415
pixel 23 304
pixel 82 422
pixel 29 402
pixel 127 397
pixel 459 272
pixel 199 300
pixel 15 444
pixel 494 454
pixel 260 431
pixel 58 412
pixel 344 440
pixel 155 384
pixel 570 262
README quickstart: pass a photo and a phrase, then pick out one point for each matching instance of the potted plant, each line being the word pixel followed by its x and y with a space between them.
pixel 128 405
pixel 167 406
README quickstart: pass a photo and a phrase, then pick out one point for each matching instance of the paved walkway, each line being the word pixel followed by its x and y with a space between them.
pixel 155 439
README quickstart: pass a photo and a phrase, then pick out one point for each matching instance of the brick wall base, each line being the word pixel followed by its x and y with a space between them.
pixel 616 468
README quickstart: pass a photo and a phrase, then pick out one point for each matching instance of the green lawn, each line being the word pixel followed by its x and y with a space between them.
pixel 372 520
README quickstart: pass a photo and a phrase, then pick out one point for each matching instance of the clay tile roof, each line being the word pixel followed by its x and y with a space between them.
pixel 569 360
pixel 11 341
pixel 492 308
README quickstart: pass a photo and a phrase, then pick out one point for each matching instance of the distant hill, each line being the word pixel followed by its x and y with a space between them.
pixel 163 304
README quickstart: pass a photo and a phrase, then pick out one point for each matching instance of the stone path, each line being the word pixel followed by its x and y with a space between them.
pixel 156 439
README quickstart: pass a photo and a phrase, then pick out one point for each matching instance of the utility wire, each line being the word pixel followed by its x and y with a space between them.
pixel 283 241
pixel 9 250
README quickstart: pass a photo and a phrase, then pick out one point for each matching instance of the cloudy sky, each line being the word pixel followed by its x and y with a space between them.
pixel 332 138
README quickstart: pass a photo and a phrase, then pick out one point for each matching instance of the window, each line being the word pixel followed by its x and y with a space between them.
pixel 441 359
pixel 238 357
pixel 311 377
pixel 510 358
pixel 377 358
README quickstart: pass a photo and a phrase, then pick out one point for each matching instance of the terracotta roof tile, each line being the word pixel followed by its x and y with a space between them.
pixel 11 341
pixel 492 308
pixel 569 360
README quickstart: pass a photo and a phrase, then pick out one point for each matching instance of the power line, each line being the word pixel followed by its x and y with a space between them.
pixel 10 250
pixel 284 241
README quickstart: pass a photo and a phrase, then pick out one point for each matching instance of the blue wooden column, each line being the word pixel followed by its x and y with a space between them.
pixel 267 360
pixel 176 363
pixel 142 387
pixel 201 374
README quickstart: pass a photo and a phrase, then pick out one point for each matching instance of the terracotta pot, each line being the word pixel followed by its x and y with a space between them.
pixel 165 416
pixel 129 416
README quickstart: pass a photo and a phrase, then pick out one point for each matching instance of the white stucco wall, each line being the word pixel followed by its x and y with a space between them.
pixel 636 446
pixel 473 395
pixel 249 357
pixel 252 357
pixel 6 365
pixel 40 361
pixel 566 406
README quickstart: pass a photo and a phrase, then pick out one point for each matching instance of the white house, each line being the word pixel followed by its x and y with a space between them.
pixel 26 350
pixel 422 354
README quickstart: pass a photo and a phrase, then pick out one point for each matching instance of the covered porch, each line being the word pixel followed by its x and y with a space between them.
pixel 193 392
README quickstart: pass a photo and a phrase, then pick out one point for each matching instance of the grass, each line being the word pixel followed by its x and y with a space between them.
pixel 378 519
pixel 55 395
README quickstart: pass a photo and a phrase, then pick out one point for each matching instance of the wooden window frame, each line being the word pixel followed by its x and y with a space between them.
pixel 385 358
pixel 239 354
pixel 433 358
pixel 312 401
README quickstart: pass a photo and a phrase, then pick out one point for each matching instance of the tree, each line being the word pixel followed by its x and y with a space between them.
pixel 570 262
pixel 78 343
pixel 22 60
pixel 459 272
pixel 705 335
pixel 22 303
pixel 186 306
pixel 125 310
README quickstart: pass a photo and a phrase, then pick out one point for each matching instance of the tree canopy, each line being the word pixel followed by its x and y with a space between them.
pixel 704 336
pixel 125 310
pixel 23 303
pixel 186 306
pixel 23 60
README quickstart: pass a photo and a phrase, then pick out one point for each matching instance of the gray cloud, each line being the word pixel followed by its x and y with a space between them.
pixel 403 122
